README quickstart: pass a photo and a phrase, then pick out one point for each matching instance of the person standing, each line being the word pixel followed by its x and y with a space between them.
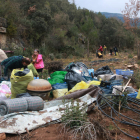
pixel 38 61
pixel 115 50
pixel 111 51
pixel 105 49
pixel 101 49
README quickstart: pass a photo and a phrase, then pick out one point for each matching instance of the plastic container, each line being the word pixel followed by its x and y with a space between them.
pixel 127 72
pixel 133 95
pixel 91 71
pixel 124 72
pixel 118 71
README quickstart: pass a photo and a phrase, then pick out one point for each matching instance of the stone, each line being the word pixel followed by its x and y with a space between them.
pixel 136 66
pixel 130 84
pixel 135 57
pixel 130 66
pixel 2 136
pixel 3 22
pixel 2 30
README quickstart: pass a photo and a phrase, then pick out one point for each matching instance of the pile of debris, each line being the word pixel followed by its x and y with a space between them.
pixel 100 89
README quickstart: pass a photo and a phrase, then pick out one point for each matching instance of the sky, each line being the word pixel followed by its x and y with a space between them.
pixel 111 6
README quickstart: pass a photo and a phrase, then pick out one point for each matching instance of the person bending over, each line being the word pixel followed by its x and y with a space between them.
pixel 15 62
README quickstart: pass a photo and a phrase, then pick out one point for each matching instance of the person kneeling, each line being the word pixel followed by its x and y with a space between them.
pixel 99 55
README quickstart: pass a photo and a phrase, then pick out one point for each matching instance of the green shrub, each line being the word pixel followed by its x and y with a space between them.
pixel 58 56
pixel 130 56
pixel 138 62
pixel 136 78
pixel 70 56
pixel 74 114
pixel 75 122
pixel 51 56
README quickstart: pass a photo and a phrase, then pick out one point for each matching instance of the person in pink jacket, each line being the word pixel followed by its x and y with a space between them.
pixel 38 61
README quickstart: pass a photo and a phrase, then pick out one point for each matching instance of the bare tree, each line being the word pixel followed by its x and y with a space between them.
pixel 132 20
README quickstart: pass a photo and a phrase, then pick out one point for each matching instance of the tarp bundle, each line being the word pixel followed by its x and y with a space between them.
pixel 109 88
pixel 117 90
pixel 107 77
pixel 19 83
pixel 102 71
pixel 21 105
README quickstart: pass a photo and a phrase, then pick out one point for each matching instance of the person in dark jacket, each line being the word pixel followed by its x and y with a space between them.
pixel 15 62
pixel 111 51
pixel 115 50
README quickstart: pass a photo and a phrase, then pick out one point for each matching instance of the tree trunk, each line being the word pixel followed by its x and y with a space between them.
pixel 88 48
pixel 138 46
pixel 119 42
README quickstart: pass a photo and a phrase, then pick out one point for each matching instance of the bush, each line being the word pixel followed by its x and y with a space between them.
pixel 138 62
pixel 75 114
pixel 51 56
pixel 130 56
pixel 58 56
pixel 70 56
pixel 54 66
pixel 75 122
pixel 136 78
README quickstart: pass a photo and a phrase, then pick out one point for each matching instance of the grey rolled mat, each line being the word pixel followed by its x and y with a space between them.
pixel 34 103
pixel 13 105
pixel 21 105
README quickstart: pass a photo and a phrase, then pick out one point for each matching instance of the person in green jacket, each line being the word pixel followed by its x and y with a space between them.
pixel 32 68
pixel 15 62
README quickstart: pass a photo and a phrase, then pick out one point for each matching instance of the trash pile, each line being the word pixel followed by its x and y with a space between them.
pixel 27 99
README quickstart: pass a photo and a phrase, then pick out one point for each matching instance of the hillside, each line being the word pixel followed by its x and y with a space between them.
pixel 116 15
pixel 59 27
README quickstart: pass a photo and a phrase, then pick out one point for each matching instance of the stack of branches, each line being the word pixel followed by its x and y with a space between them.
pixel 54 66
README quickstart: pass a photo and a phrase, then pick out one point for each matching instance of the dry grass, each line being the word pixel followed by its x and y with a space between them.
pixel 113 65
pixel 92 57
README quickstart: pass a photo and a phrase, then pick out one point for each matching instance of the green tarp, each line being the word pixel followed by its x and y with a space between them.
pixel 57 77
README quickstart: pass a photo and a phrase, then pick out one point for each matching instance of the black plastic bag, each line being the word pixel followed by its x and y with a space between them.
pixel 22 73
pixel 79 68
pixel 72 78
pixel 22 95
pixel 102 71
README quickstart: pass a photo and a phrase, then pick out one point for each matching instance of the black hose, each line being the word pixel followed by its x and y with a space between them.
pixel 107 103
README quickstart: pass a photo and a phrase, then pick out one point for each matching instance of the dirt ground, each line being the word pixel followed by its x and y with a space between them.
pixel 52 132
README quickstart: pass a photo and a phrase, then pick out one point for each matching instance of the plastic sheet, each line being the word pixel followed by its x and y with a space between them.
pixel 5 92
pixel 83 85
pixel 138 96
